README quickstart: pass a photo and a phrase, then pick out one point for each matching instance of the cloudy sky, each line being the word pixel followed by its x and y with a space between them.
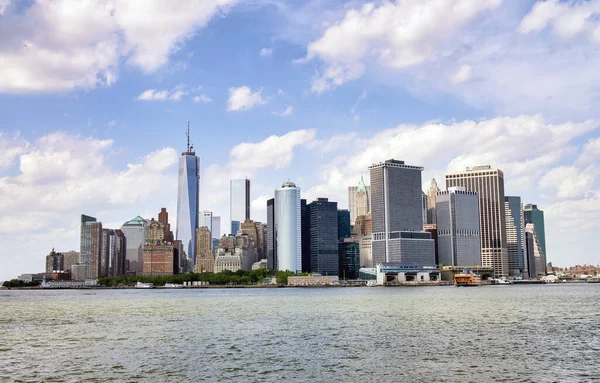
pixel 95 97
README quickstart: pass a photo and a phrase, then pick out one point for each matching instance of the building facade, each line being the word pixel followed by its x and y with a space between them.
pixel 488 183
pixel 206 260
pixel 535 216
pixel 431 201
pixel 188 195
pixel 349 259
pixel 359 200
pixel 135 234
pixel 288 235
pixel 396 208
pixel 55 262
pixel 344 227
pixel 323 231
pixel 457 217
pixel 515 236
pixel 363 225
pixel 271 239
pixel 239 203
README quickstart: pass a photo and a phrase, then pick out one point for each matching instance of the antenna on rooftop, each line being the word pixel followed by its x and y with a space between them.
pixel 187 134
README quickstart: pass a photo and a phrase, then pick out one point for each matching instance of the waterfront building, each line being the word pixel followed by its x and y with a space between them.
pixel 363 225
pixel 135 234
pixel 105 253
pixel 366 254
pixel 515 236
pixel 535 252
pixel 344 227
pixel 535 216
pixel 288 227
pixel 205 262
pixel 457 217
pixel 227 260
pixel 90 236
pixel 249 228
pixel 323 231
pixel 313 280
pixel 431 201
pixel 163 217
pixel 396 199
pixel 239 203
pixel 359 200
pixel 432 229
pixel 349 259
pixel 78 272
pixel 188 190
pixel 488 183
pixel 54 261
pixel 120 246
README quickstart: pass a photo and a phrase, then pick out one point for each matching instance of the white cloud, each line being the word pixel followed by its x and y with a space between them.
pixel 286 112
pixel 569 181
pixel 202 98
pixel 398 35
pixel 280 92
pixel 79 45
pixel 10 149
pixel 3 6
pixel 174 94
pixel 591 152
pixel 266 52
pixel 242 98
pixel 462 75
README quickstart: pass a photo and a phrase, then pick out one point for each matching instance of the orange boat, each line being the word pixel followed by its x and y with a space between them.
pixel 467 278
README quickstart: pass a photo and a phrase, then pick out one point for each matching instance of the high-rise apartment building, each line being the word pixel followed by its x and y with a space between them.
pixel 239 203
pixel 90 245
pixel 206 260
pixel 70 258
pixel 396 208
pixel 187 199
pixel 323 229
pixel 535 216
pixel 431 201
pixel 288 227
pixel 359 200
pixel 488 183
pixel 271 238
pixel 54 262
pixel 457 217
pixel 515 236
pixel 135 234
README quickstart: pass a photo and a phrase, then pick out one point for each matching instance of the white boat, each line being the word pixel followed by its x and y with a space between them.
pixel 501 281
pixel 142 285
pixel 173 286
pixel 371 283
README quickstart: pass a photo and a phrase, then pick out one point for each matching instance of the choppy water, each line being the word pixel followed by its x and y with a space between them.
pixel 491 333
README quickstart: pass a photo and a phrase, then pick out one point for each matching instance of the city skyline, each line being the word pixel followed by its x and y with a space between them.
pixel 104 139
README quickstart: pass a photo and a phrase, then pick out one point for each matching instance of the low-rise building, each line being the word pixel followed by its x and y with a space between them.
pixel 227 261
pixel 313 280
pixel 262 264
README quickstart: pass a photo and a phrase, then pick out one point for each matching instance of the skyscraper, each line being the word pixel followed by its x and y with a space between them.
pixel 239 203
pixel 359 200
pixel 425 209
pixel 536 266
pixel 344 229
pixel 135 238
pixel 187 199
pixel 206 260
pixel 515 236
pixel 216 227
pixel 271 239
pixel 397 216
pixel 163 217
pixel 535 216
pixel 457 217
pixel 305 231
pixel 488 183
pixel 90 245
pixel 349 259
pixel 323 229
pixel 206 220
pixel 433 190
pixel 288 227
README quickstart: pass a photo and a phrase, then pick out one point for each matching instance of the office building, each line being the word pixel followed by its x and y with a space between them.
pixel 305 234
pixel 349 259
pixel 79 272
pixel 323 231
pixel 205 260
pixel 288 227
pixel 396 208
pixel 105 253
pixel 515 236
pixel 534 252
pixel 206 220
pixel 425 205
pixel 344 227
pixel 431 228
pixel 255 230
pixel 70 258
pixel 54 262
pixel 363 225
pixel 216 227
pixel 359 200
pixel 159 255
pixel 431 201
pixel 118 267
pixel 271 239
pixel 366 253
pixel 91 245
pixel 457 217
pixel 187 199
pixel 239 203
pixel 135 234
pixel 535 216
pixel 488 183
pixel 163 217
pixel 261 244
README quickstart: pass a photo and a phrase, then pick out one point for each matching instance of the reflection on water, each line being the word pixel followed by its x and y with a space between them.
pixel 492 333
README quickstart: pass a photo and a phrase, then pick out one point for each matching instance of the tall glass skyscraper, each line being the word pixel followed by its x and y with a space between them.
pixel 187 200
pixel 239 203
pixel 535 217
pixel 288 228
pixel 515 236
pixel 323 231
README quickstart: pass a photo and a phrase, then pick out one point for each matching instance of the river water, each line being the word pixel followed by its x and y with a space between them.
pixel 491 333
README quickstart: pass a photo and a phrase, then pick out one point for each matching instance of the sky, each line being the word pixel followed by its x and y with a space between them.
pixel 96 95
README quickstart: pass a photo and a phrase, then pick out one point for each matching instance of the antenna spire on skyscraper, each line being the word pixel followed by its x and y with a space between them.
pixel 187 134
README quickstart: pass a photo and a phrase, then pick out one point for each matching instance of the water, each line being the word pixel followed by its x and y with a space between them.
pixel 490 333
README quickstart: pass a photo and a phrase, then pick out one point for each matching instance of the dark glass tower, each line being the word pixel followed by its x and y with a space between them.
pixel 323 237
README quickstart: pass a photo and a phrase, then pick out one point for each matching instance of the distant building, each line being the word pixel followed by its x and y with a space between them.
pixel 288 227
pixel 239 203
pixel 366 253
pixel 54 262
pixel 488 183
pixel 535 252
pixel 227 260
pixel 241 245
pixel 70 258
pixel 188 195
pixel 349 259
pixel 159 257
pixel 433 190
pixel 457 217
pixel 90 244
pixel 305 235
pixel 313 280
pixel 117 266
pixel 252 229
pixel 359 200
pixel 515 236
pixel 344 228
pixel 271 238
pixel 135 234
pixel 363 225
pixel 535 216
pixel 323 237
pixel 216 228
pixel 432 229
pixel 78 272
pixel 205 262
pixel 396 207
pixel 163 217
pixel 262 264
pixel 206 220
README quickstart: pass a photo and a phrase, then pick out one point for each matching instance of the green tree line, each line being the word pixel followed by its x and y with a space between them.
pixel 18 283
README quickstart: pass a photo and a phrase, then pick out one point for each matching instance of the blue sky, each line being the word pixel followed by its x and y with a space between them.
pixel 95 97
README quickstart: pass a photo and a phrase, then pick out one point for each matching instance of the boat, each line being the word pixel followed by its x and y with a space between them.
pixel 142 285
pixel 173 285
pixel 371 283
pixel 501 281
pixel 467 278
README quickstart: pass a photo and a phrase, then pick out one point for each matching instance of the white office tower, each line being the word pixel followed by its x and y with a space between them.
pixel 288 228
